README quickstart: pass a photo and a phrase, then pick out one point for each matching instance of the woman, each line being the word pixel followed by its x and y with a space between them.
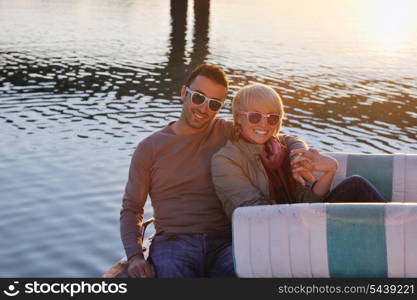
pixel 254 167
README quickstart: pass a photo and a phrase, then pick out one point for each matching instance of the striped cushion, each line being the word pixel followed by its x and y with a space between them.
pixel 326 240
pixel 394 175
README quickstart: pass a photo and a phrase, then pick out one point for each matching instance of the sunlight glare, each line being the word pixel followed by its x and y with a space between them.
pixel 390 23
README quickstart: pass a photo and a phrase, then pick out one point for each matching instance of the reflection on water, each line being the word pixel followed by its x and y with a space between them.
pixel 82 82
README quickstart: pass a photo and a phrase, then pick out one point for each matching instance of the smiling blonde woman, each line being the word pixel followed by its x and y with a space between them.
pixel 254 167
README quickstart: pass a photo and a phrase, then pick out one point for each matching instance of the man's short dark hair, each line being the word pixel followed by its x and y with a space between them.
pixel 212 72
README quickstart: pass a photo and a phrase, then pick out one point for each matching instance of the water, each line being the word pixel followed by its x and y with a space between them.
pixel 82 82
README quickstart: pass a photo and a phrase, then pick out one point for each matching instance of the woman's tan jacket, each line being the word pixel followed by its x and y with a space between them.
pixel 240 178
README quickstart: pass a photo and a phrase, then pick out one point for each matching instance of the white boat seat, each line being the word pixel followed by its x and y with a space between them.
pixel 326 240
pixel 394 175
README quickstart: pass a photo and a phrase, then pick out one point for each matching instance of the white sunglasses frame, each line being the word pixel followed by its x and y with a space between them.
pixel 192 92
pixel 266 116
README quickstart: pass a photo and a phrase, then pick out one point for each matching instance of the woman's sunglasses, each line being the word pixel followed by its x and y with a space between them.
pixel 198 99
pixel 255 117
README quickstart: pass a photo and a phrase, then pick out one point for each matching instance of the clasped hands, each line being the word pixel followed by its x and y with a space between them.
pixel 305 163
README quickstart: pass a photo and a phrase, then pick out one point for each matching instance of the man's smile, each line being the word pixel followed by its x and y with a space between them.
pixel 199 116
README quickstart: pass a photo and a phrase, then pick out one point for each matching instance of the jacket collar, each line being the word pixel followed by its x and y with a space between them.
pixel 249 148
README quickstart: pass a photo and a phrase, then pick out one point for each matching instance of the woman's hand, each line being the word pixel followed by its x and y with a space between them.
pixel 301 174
pixel 273 156
pixel 312 160
pixel 316 162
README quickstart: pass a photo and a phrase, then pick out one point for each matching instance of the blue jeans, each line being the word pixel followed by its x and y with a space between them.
pixel 192 255
pixel 354 189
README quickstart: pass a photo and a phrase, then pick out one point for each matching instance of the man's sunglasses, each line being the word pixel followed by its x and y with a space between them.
pixel 197 98
pixel 256 117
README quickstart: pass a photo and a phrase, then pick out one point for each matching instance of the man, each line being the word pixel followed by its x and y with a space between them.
pixel 193 236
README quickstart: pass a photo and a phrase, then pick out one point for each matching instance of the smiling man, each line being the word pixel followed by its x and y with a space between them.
pixel 193 233
pixel 203 96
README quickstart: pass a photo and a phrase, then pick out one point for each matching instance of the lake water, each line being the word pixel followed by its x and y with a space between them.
pixel 82 82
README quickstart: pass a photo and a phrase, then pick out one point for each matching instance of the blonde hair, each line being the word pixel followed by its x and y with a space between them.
pixel 254 95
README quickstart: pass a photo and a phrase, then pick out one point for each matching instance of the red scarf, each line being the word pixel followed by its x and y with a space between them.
pixel 276 162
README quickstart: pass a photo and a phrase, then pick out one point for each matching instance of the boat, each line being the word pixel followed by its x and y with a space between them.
pixel 331 240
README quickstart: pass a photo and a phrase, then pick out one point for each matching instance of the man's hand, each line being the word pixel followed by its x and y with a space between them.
pixel 140 268
pixel 301 167
pixel 313 161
